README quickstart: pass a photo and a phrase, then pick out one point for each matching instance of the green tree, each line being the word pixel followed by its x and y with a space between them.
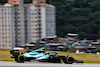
pixel 65 48
pixel 76 16
pixel 97 49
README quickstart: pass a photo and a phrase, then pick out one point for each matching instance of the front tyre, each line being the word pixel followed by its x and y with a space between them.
pixel 69 60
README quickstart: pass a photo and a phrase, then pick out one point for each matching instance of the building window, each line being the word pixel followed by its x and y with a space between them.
pixel 2 9
pixel 3 45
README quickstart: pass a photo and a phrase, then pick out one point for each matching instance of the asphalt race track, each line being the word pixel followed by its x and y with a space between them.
pixel 42 64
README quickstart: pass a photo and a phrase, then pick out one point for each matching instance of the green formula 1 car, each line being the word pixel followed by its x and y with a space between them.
pixel 39 55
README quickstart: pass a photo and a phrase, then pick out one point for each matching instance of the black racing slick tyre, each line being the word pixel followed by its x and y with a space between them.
pixel 21 58
pixel 69 60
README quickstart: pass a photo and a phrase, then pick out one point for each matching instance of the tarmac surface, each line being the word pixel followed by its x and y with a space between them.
pixel 43 64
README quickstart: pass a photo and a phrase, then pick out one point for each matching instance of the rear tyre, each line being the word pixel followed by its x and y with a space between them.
pixel 21 58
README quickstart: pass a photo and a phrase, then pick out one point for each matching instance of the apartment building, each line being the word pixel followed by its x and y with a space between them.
pixel 6 27
pixel 23 23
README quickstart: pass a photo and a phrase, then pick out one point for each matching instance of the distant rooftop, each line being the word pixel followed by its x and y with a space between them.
pixel 70 34
pixel 54 44
pixel 7 4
